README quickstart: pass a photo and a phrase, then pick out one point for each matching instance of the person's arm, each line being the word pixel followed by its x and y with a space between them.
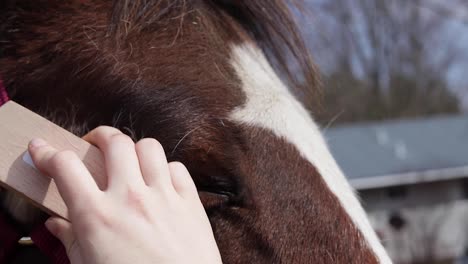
pixel 150 211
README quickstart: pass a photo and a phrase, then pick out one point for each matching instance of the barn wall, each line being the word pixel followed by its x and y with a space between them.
pixel 421 223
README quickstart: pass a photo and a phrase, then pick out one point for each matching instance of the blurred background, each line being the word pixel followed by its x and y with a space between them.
pixel 395 115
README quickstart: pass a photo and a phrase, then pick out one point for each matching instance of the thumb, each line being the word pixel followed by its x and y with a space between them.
pixel 62 229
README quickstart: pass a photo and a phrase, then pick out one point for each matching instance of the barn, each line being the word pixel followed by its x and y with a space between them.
pixel 412 176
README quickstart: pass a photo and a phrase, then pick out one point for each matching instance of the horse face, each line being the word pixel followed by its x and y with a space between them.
pixel 193 75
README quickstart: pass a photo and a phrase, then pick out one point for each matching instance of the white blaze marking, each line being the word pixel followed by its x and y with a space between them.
pixel 271 106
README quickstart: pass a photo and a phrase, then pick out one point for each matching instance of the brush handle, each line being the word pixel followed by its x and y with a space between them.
pixel 18 126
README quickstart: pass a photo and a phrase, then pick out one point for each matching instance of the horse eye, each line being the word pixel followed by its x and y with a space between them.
pixel 212 200
pixel 217 191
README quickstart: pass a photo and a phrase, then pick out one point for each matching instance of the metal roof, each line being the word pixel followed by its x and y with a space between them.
pixel 401 152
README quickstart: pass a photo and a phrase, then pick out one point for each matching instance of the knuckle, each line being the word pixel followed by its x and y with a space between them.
pixel 62 157
pixel 152 143
pixel 103 133
pixel 177 166
pixel 138 200
pixel 121 139
pixel 107 130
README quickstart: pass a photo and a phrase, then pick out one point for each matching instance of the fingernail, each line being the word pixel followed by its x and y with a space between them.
pixel 37 142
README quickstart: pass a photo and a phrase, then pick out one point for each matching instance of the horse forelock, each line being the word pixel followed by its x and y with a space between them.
pixel 269 23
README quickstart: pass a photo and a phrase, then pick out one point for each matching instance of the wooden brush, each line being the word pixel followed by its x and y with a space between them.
pixel 18 126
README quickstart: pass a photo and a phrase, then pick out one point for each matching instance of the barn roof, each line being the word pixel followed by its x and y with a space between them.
pixel 399 152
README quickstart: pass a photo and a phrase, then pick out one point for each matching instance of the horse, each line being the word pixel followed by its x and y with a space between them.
pixel 212 81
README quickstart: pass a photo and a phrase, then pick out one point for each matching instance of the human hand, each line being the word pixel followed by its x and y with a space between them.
pixel 150 211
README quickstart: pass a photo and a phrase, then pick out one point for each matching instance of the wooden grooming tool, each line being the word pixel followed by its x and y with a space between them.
pixel 18 126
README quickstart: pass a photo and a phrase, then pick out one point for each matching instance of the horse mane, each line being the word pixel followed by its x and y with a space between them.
pixel 270 23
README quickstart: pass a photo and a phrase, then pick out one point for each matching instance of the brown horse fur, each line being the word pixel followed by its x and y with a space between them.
pixel 161 69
